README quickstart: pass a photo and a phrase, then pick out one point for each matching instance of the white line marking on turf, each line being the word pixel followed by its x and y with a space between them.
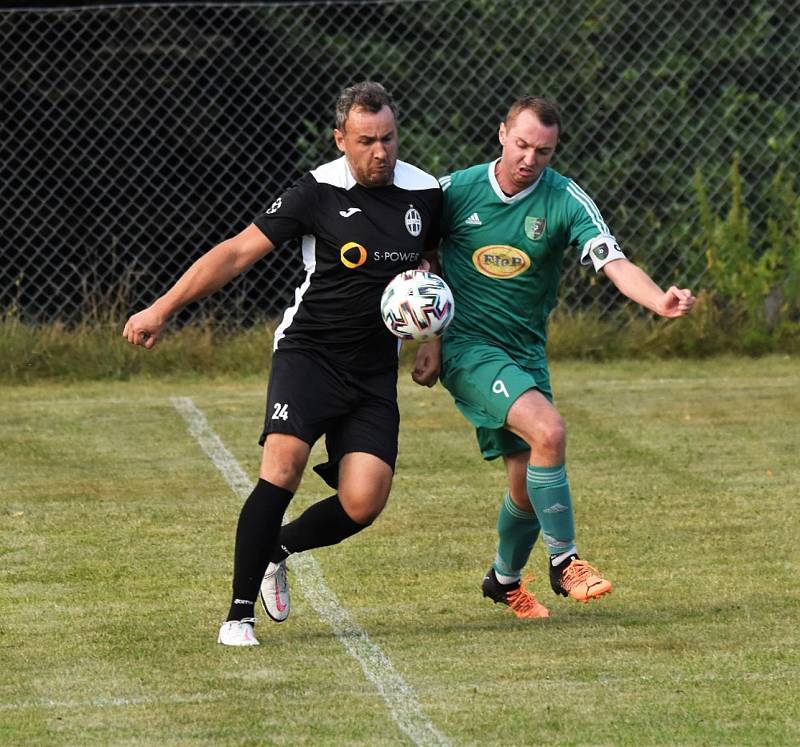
pixel 403 706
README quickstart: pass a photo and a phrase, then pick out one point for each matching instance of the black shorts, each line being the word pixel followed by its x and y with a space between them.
pixel 309 397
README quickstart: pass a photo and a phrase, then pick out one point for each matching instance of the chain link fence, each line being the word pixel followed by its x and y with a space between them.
pixel 135 137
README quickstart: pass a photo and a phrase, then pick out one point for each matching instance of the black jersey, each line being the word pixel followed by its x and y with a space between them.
pixel 355 239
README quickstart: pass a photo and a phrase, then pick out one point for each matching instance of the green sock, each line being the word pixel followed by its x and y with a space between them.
pixel 548 490
pixel 517 530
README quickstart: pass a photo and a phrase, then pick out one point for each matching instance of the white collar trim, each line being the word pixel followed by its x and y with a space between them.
pixel 502 195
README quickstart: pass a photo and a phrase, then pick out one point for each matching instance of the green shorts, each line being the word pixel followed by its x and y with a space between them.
pixel 485 381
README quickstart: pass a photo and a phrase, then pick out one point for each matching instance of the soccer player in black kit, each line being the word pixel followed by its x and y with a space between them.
pixel 363 218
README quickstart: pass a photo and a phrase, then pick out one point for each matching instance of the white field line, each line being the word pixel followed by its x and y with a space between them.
pixel 399 697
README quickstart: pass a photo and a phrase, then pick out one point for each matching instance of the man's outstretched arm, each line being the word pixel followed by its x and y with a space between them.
pixel 637 285
pixel 209 273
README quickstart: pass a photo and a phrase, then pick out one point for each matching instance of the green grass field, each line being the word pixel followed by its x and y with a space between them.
pixel 116 548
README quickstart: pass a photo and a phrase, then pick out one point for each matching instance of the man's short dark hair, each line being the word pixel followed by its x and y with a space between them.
pixel 546 110
pixel 368 95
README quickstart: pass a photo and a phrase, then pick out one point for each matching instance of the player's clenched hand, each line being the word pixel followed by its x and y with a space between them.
pixel 677 302
pixel 144 328
pixel 428 363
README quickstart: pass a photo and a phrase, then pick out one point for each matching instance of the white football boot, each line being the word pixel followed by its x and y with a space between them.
pixel 275 592
pixel 237 633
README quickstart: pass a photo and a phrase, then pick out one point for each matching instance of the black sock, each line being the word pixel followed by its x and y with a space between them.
pixel 258 529
pixel 565 562
pixel 325 523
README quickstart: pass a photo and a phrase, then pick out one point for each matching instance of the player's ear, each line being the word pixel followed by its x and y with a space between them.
pixel 338 137
pixel 501 134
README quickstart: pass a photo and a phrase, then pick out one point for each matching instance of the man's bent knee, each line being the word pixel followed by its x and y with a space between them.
pixel 363 509
pixel 551 435
pixel 364 484
pixel 284 459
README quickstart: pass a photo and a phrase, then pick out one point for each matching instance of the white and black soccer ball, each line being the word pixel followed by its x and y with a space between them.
pixel 417 305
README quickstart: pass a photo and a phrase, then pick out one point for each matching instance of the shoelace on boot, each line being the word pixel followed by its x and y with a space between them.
pixel 521 599
pixel 578 571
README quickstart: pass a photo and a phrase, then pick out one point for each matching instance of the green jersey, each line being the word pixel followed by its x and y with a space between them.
pixel 502 255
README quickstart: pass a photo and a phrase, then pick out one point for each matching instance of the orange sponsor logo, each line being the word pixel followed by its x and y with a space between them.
pixel 500 261
pixel 353 255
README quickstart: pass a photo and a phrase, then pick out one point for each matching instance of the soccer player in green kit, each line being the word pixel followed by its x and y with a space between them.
pixel 506 226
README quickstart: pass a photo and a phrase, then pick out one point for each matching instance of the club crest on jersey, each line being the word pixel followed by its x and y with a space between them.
pixel 352 255
pixel 534 227
pixel 500 261
pixel 413 221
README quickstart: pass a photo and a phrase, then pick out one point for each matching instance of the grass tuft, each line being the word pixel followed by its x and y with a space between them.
pixel 94 352
pixel 98 351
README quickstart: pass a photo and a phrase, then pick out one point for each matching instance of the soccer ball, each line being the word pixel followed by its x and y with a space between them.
pixel 417 305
